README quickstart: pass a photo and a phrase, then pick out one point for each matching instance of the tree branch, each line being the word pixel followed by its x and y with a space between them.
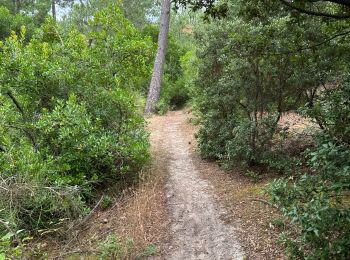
pixel 28 133
pixel 21 110
pixel 325 41
pixel 308 47
pixel 17 104
pixel 314 13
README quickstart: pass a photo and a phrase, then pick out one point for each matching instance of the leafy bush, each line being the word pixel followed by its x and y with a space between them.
pixel 174 95
pixel 116 248
pixel 84 152
pixel 10 22
pixel 317 202
pixel 245 142
pixel 70 120
pixel 251 141
pixel 212 137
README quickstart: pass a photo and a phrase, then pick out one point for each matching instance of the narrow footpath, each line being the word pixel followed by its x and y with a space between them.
pixel 197 228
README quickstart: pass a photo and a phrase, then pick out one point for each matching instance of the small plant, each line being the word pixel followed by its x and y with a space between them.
pixel 14 244
pixel 106 202
pixel 115 248
pixel 252 175
pixel 278 223
pixel 7 248
pixel 150 250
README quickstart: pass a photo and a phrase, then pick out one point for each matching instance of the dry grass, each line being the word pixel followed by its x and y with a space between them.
pixel 140 215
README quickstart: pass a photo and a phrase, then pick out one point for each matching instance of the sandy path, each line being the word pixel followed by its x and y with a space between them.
pixel 197 230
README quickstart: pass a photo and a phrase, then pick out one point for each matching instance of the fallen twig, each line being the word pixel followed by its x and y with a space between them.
pixel 88 216
pixel 83 221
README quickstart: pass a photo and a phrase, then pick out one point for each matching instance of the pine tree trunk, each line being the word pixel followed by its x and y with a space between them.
pixel 53 6
pixel 154 89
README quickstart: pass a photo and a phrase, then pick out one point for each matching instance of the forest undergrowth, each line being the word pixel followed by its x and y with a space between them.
pixel 73 138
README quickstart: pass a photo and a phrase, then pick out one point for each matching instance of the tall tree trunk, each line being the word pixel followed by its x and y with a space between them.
pixel 154 89
pixel 53 7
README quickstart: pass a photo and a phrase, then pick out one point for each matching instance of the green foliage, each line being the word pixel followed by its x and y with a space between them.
pixel 318 201
pixel 37 206
pixel 251 141
pixel 252 175
pixel 10 22
pixel 139 13
pixel 332 110
pixel 6 248
pixel 83 150
pixel 116 248
pixel 216 129
pixel 150 250
pixel 70 120
pixel 35 11
pixel 106 202
pixel 239 83
pixel 258 62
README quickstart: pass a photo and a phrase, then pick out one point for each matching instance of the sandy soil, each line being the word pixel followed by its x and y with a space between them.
pixel 198 230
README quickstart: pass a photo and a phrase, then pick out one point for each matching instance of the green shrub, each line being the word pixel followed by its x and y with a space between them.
pixel 7 250
pixel 317 202
pixel 83 152
pixel 215 132
pixel 174 95
pixel 115 248
pixel 106 202
pixel 251 140
pixel 35 204
pixel 10 22
pixel 70 122
pixel 150 250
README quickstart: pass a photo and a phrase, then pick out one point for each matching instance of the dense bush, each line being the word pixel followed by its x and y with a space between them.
pixel 10 22
pixel 258 62
pixel 243 89
pixel 70 119
pixel 318 201
pixel 250 140
pixel 238 100
pixel 83 150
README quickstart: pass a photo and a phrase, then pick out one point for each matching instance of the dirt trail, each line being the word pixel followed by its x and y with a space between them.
pixel 197 230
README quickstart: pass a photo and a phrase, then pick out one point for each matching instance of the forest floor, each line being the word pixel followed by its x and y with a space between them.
pixel 185 208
